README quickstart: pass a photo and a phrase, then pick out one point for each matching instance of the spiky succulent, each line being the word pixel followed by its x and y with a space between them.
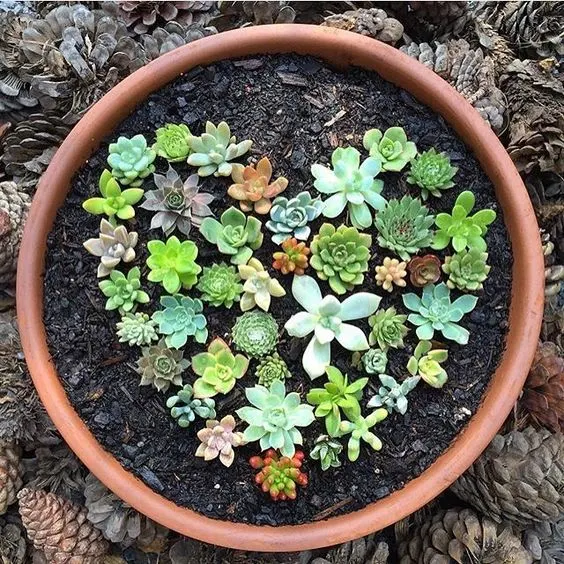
pixel 160 366
pixel 271 368
pixel 218 440
pixel 185 408
pixel 424 270
pixel 393 395
pixel 136 329
pixel 220 285
pixel 426 364
pixel 359 429
pixel 404 226
pixel 123 292
pixel 327 451
pixel 255 333
pixel 432 172
pixel 375 361
pixel 131 160
pixel 293 259
pixel 388 329
pixel 390 148
pixel 172 142
pixel 259 287
pixel 467 270
pixel 391 273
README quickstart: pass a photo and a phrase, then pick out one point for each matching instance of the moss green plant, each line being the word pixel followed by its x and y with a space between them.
pixel 426 364
pixel 359 430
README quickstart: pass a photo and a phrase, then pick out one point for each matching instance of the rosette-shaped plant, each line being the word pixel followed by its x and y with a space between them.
pixel 391 272
pixel 340 256
pixel 359 429
pixel 388 329
pixel 426 364
pixel 435 312
pixel 255 333
pixel 181 318
pixel 327 451
pixel 259 287
pixel 424 270
pixel 160 366
pixel 114 200
pixel 185 408
pixel 404 226
pixel 218 369
pixel 220 285
pixel 172 142
pixel 392 395
pixel 218 440
pixel 432 172
pixel 173 264
pixel 236 235
pixel 463 229
pixel 375 361
pixel 271 368
pixel 214 149
pixel 178 204
pixel 293 257
pixel 253 188
pixel 131 160
pixel 390 148
pixel 123 292
pixel 325 317
pixel 114 245
pixel 467 270
pixel 136 329
pixel 352 184
pixel 274 417
pixel 290 218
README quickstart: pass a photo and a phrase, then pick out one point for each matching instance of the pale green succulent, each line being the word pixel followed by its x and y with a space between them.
pixel 131 160
pixel 255 333
pixel 375 361
pixel 467 270
pixel 327 451
pixel 220 285
pixel 185 408
pixel 359 429
pixel 391 148
pixel 392 395
pixel 136 329
pixel 160 366
pixel 432 172
pixel 123 292
pixel 172 142
pixel 426 364
pixel 388 329
pixel 271 368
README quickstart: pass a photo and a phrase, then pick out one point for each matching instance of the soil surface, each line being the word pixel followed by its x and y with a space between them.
pixel 296 110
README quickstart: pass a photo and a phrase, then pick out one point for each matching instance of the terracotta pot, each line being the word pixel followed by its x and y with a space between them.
pixel 340 48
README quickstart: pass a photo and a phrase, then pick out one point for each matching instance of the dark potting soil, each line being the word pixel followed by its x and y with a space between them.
pixel 296 110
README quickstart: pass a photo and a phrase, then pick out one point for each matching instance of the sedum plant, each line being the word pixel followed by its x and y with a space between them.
pixel 259 287
pixel 350 184
pixel 271 368
pixel 359 429
pixel 435 312
pixel 327 451
pixel 335 396
pixel 235 234
pixel 462 229
pixel 404 226
pixel 114 200
pixel 177 204
pixel 181 318
pixel 424 270
pixel 173 263
pixel 388 329
pixel 467 270
pixel 123 292
pixel 391 273
pixel 340 256
pixel 392 395
pixel 172 142
pixel 160 366
pixel 218 440
pixel 218 369
pixel 390 148
pixel 432 172
pixel 375 361
pixel 131 160
pixel 255 333
pixel 220 285
pixel 293 259
pixel 113 245
pixel 274 417
pixel 185 408
pixel 253 187
pixel 426 364
pixel 214 149
pixel 325 317
pixel 136 329
pixel 290 217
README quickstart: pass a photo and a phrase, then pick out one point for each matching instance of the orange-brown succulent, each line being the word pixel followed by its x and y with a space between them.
pixel 253 188
pixel 293 259
pixel 424 270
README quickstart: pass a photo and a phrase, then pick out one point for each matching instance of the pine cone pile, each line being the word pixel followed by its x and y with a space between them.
pixel 11 471
pixel 366 550
pixel 545 541
pixel 13 545
pixel 240 14
pixel 435 19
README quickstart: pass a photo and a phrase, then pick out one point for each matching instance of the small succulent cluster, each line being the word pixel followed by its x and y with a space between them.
pixel 293 259
pixel 184 407
pixel 432 172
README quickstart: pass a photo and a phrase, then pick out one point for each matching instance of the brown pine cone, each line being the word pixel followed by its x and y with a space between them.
pixel 11 471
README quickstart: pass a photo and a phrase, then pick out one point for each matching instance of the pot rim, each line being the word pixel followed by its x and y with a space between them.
pixel 340 48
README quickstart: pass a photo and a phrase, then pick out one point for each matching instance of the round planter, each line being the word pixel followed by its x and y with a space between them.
pixel 340 48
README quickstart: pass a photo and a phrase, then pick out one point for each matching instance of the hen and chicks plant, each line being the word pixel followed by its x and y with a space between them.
pixel 374 361
pixel 259 288
pixel 255 333
pixel 160 366
pixel 220 285
pixel 387 329
pixel 271 368
pixel 467 270
pixel 432 172
pixel 185 408
pixel 424 270
pixel 172 142
pixel 131 160
pixel 218 439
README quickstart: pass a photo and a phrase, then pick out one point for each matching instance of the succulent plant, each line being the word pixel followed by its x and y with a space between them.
pixel 136 329
pixel 462 229
pixel 335 396
pixel 275 417
pixel 435 312
pixel 131 160
pixel 390 148
pixel 293 259
pixel 426 364
pixel 404 226
pixel 279 476
pixel 255 333
pixel 424 270
pixel 253 188
pixel 290 218
pixel 185 408
pixel 178 204
pixel 388 329
pixel 218 369
pixel 391 272
pixel 160 366
pixel 359 429
pixel 181 318
pixel 123 292
pixel 172 142
pixel 271 368
pixel 432 172
pixel 114 245
pixel 327 451
pixel 375 361
pixel 352 184
pixel 173 263
pixel 392 395
pixel 324 316
pixel 340 255
pixel 467 270
pixel 237 235
pixel 220 285
pixel 213 150
pixel 114 200
pixel 259 287
pixel 218 440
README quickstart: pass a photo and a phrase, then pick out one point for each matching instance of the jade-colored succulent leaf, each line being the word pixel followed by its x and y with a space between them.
pixel 185 408
pixel 467 270
pixel 426 364
pixel 432 172
pixel 220 285
pixel 255 333
pixel 136 329
pixel 131 160
pixel 271 368
pixel 327 451
pixel 259 287
pixel 160 366
pixel 123 292
pixel 391 148
pixel 359 429
pixel 172 142
pixel 387 329
pixel 218 439
pixel 393 395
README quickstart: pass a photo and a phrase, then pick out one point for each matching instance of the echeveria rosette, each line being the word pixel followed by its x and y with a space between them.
pixel 255 333
pixel 351 184
pixel 426 364
pixel 390 148
pixel 123 292
pixel 136 329
pixel 375 361
pixel 435 312
pixel 432 172
pixel 467 270
pixel 131 160
pixel 220 285
pixel 160 366
pixel 359 429
pixel 235 234
pixel 325 317
pixel 185 408
pixel 218 440
pixel 259 288
pixel 172 142
pixel 387 329
pixel 393 395
pixel 274 417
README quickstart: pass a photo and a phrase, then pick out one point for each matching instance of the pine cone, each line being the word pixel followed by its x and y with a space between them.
pixel 545 541
pixel 518 478
pixel 60 529
pixel 13 545
pixel 11 472
pixel 546 191
pixel 460 535
pixel 239 14
pixel 366 550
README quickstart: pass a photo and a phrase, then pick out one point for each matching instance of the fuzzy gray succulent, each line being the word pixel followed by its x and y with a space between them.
pixel 393 395
pixel 137 329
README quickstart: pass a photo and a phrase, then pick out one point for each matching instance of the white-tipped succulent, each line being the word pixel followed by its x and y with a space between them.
pixel 259 287
pixel 325 317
